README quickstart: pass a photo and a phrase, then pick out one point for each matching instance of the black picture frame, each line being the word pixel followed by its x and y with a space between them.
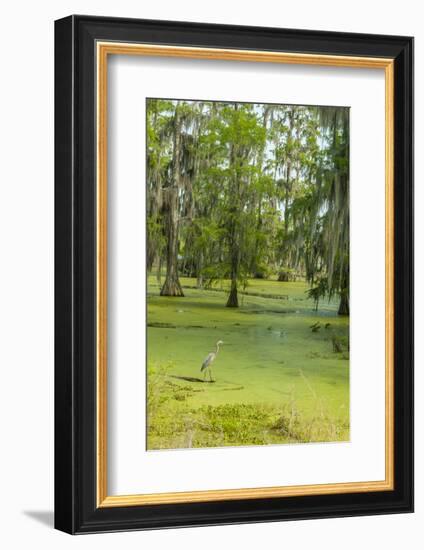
pixel 76 510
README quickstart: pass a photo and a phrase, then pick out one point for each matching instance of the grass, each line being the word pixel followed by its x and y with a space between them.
pixel 277 379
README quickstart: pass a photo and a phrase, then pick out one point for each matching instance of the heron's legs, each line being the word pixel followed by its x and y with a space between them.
pixel 210 375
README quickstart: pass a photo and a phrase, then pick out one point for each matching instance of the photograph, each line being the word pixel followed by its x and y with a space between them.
pixel 233 268
pixel 247 261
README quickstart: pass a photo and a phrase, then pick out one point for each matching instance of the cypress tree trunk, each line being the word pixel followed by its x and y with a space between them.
pixel 256 271
pixel 233 297
pixel 159 271
pixel 234 234
pixel 171 286
pixel 283 276
pixel 199 282
pixel 344 294
pixel 344 305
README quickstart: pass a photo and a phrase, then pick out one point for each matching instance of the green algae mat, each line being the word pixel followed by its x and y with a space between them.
pixel 280 376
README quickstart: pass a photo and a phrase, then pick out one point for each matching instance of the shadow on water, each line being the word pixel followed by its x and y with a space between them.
pixel 192 379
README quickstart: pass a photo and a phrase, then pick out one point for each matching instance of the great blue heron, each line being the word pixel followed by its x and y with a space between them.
pixel 206 365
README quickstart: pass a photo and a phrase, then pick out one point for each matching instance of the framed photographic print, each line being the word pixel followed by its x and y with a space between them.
pixel 233 272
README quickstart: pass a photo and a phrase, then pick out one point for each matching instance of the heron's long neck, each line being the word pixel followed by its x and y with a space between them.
pixel 217 348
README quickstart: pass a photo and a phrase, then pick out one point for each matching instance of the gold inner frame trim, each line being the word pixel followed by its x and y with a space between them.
pixel 104 49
